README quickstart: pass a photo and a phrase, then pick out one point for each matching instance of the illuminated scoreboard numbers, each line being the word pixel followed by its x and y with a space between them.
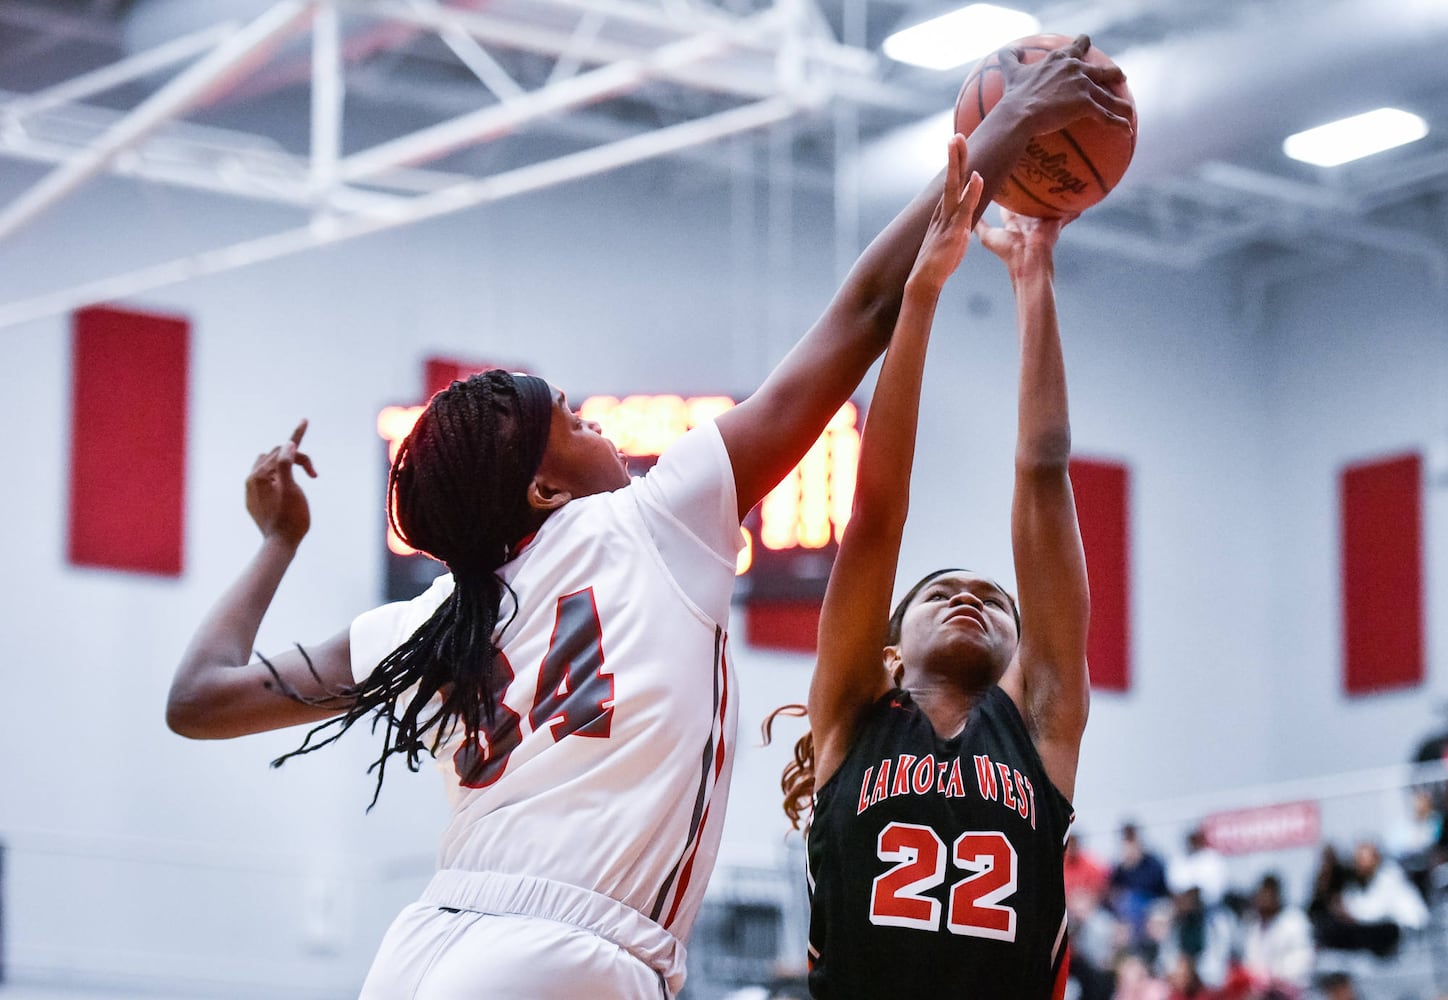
pixel 789 539
pixel 844 437
pixel 811 506
pixel 643 426
pixel 807 510
pixel 394 423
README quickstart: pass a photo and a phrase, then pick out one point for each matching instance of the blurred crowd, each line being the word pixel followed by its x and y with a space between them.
pixel 1144 928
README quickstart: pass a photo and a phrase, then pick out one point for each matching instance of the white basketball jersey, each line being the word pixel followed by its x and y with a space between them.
pixel 608 763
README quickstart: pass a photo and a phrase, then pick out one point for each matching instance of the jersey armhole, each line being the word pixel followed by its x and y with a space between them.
pixel 868 719
pixel 1019 722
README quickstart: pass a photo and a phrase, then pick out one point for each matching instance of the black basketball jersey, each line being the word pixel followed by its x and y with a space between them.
pixel 936 864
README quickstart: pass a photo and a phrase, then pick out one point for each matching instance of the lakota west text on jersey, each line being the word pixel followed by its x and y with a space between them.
pixel 907 774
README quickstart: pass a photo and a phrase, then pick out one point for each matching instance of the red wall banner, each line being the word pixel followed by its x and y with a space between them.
pixel 1103 507
pixel 128 440
pixel 1382 574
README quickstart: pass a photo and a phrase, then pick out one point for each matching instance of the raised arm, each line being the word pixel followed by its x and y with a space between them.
pixel 219 691
pixel 1047 679
pixel 769 433
pixel 849 672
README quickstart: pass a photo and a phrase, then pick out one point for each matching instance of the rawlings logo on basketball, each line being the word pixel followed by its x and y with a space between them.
pixel 1040 165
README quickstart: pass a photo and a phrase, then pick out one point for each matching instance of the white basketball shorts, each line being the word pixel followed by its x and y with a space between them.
pixel 477 935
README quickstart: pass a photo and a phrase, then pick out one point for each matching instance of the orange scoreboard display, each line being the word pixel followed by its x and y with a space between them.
pixel 790 538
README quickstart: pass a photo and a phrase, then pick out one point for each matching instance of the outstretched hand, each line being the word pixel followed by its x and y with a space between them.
pixel 1018 235
pixel 273 498
pixel 1062 87
pixel 949 233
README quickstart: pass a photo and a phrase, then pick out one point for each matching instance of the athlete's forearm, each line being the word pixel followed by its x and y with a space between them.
pixel 1043 436
pixel 878 279
pixel 227 635
pixel 887 450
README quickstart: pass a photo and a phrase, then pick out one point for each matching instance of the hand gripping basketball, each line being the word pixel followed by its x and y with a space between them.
pixel 1070 168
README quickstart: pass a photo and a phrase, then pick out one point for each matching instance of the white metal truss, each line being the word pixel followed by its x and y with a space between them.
pixel 706 74
pixel 760 69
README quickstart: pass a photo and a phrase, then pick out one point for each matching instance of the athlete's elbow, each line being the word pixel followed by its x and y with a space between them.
pixel 182 719
pixel 188 713
pixel 1044 452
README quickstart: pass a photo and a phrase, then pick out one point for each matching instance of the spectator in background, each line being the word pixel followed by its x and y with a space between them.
pixel 1201 868
pixel 1277 948
pixel 1085 872
pixel 1202 935
pixel 1367 907
pixel 1434 750
pixel 1337 986
pixel 1096 937
pixel 1134 980
pixel 1381 892
pixel 1413 840
pixel 1184 983
pixel 1137 881
pixel 1327 885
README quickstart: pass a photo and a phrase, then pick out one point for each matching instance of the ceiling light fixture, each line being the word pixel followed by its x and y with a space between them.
pixel 1353 138
pixel 956 38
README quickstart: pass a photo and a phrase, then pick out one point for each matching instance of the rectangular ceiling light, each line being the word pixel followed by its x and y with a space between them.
pixel 1353 138
pixel 956 38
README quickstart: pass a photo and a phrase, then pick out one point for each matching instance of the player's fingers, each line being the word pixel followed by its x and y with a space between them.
pixel 296 437
pixel 1104 75
pixel 960 157
pixel 970 198
pixel 286 458
pixel 1103 95
pixel 1115 110
pixel 1079 46
pixel 305 461
pixel 265 466
pixel 953 179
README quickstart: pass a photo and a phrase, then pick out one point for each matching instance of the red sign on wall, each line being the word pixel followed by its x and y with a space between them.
pixel 1103 509
pixel 1265 828
pixel 129 374
pixel 1382 574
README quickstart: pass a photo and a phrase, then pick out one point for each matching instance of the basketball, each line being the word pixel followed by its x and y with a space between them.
pixel 1062 172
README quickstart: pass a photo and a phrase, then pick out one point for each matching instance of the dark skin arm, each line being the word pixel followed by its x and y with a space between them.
pixel 1047 679
pixel 219 691
pixel 770 432
pixel 849 676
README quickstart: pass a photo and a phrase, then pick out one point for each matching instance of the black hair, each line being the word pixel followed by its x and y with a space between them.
pixel 458 491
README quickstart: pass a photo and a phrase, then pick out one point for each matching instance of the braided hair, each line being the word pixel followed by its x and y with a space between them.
pixel 797 781
pixel 458 491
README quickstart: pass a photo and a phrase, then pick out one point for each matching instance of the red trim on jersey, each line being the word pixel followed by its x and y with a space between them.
pixel 720 756
pixel 687 872
pixel 523 543
pixel 1059 991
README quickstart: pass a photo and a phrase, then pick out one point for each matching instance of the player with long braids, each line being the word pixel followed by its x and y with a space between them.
pixel 945 734
pixel 570 672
